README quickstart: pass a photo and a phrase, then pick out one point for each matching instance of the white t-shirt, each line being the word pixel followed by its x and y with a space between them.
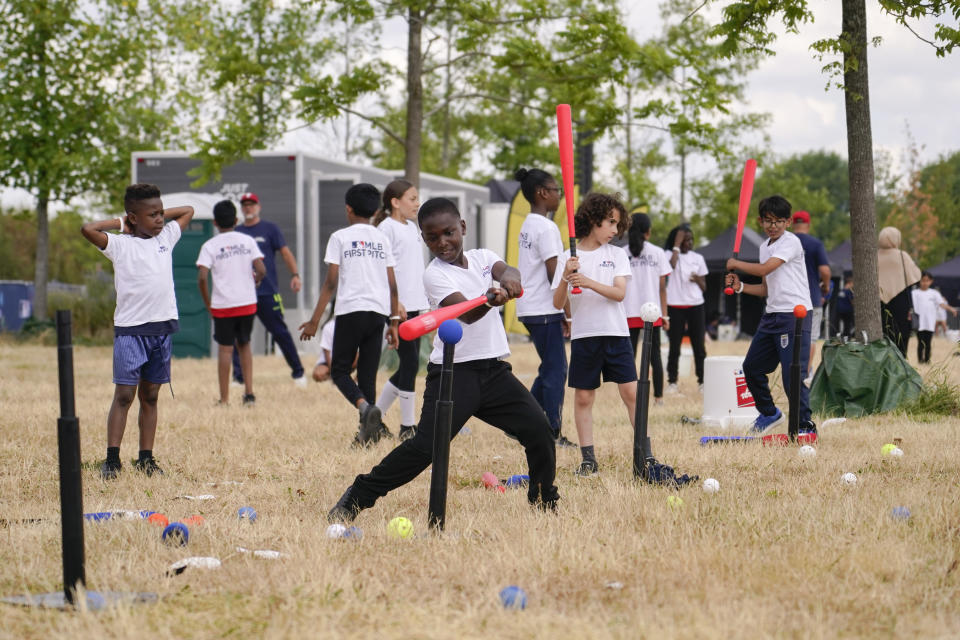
pixel 681 290
pixel 485 338
pixel 363 254
pixel 926 304
pixel 326 341
pixel 407 245
pixel 229 256
pixel 593 314
pixel 143 276
pixel 787 285
pixel 644 286
pixel 539 241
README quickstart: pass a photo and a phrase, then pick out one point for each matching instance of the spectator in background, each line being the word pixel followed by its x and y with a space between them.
pixel 897 274
pixel 685 308
pixel 845 307
pixel 818 278
pixel 269 303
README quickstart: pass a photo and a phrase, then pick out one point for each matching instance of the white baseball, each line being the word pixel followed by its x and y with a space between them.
pixel 336 531
pixel 897 452
pixel 849 479
pixel 649 312
pixel 806 451
pixel 710 485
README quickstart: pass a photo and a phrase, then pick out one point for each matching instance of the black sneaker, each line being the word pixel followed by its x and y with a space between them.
pixel 564 443
pixel 345 510
pixel 369 423
pixel 587 469
pixel 407 432
pixel 382 433
pixel 808 426
pixel 249 400
pixel 148 466
pixel 109 470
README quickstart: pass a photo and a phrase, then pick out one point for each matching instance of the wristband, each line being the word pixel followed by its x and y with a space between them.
pixel 568 318
pixel 296 275
pixel 394 317
pixel 120 220
pixel 740 290
pixel 490 306
pixel 677 249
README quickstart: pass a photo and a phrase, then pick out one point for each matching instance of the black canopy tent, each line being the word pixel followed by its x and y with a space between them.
pixel 716 253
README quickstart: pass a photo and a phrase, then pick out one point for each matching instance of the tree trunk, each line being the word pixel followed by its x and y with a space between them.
pixel 414 97
pixel 863 221
pixel 42 266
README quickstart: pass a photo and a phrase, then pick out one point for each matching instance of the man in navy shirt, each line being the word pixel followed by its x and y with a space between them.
pixel 269 303
pixel 818 276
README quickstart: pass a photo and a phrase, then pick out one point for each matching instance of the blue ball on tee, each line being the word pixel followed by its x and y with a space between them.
pixel 450 331
pixel 513 597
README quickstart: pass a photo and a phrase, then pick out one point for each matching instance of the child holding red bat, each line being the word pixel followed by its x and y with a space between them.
pixel 483 384
pixel 360 268
pixel 600 342
pixel 540 246
pixel 784 284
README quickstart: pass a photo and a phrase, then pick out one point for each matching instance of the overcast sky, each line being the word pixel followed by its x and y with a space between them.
pixel 908 84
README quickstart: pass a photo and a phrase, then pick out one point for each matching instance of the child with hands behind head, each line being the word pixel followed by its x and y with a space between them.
pixel 600 338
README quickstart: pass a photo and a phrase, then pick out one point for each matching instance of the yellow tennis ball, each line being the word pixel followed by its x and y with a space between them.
pixel 400 527
pixel 887 449
pixel 674 502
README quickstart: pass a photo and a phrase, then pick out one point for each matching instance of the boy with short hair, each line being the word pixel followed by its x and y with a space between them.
pixel 483 384
pixel 927 301
pixel 360 270
pixel 145 317
pixel 236 263
pixel 784 284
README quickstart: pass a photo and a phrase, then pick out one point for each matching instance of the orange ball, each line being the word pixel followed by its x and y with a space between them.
pixel 799 311
pixel 158 519
pixel 194 521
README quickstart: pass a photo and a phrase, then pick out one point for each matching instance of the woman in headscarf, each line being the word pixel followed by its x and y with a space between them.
pixel 897 274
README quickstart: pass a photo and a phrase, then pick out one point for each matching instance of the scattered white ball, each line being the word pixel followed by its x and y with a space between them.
pixel 711 485
pixel 896 452
pixel 806 451
pixel 336 530
pixel 849 479
pixel 649 312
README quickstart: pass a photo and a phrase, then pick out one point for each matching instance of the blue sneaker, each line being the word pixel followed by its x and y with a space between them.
pixel 762 423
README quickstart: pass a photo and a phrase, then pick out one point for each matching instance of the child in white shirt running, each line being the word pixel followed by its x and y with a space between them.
pixel 600 339
pixel 927 301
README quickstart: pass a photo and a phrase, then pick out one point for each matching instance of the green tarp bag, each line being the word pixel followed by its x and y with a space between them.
pixel 856 379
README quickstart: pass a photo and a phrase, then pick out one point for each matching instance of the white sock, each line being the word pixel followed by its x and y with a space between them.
pixel 408 400
pixel 387 396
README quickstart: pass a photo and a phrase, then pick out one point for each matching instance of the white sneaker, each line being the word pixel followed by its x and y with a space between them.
pixel 235 384
pixel 673 389
pixel 300 382
pixel 700 388
pixel 808 380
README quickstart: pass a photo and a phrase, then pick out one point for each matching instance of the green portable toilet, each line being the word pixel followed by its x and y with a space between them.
pixel 193 339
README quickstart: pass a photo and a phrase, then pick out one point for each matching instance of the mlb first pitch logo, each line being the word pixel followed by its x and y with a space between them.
pixel 365 249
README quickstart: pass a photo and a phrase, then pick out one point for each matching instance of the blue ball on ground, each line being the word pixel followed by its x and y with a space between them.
pixel 450 331
pixel 353 533
pixel 517 480
pixel 900 513
pixel 176 533
pixel 513 597
pixel 247 513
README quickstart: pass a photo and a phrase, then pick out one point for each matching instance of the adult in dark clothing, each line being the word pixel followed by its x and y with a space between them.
pixel 818 275
pixel 897 274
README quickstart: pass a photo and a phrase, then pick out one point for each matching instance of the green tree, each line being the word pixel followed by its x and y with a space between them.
pixel 746 25
pixel 75 99
pixel 941 180
pixel 71 257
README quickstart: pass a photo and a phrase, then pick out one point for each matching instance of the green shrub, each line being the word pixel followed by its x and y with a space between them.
pixel 92 313
pixel 939 397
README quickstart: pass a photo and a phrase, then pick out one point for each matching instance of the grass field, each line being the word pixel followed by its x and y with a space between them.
pixel 783 550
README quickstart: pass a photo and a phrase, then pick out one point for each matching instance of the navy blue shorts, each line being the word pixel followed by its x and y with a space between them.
pixel 611 356
pixel 146 358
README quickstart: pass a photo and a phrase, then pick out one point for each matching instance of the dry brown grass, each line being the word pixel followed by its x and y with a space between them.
pixel 784 550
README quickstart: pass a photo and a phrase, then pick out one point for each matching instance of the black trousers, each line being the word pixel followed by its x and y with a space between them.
pixel 690 321
pixel 896 323
pixel 358 331
pixel 488 390
pixel 405 377
pixel 656 361
pixel 923 345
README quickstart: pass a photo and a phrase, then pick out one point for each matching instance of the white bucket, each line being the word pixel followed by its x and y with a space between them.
pixel 684 364
pixel 726 400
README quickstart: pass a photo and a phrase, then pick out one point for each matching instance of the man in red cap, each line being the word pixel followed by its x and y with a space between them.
pixel 269 303
pixel 818 277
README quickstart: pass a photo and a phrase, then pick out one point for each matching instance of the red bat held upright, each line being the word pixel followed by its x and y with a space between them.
pixel 565 145
pixel 746 191
pixel 423 324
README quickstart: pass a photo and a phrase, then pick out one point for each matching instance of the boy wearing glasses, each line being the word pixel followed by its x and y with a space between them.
pixel 784 284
